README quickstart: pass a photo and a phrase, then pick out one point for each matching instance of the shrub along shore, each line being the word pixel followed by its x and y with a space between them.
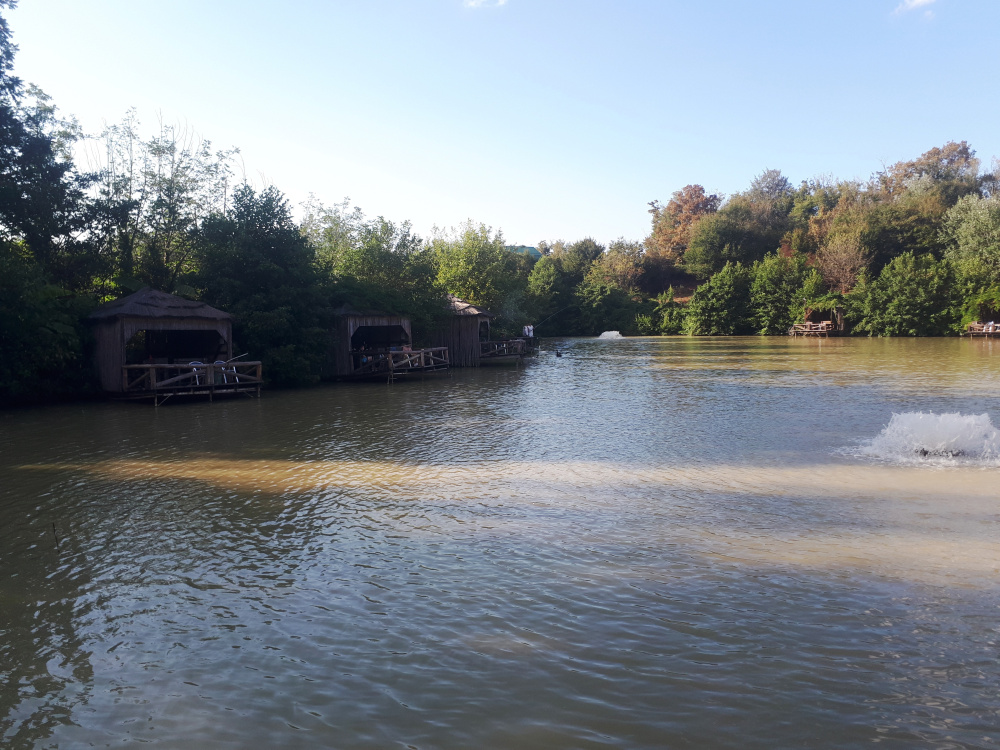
pixel 913 251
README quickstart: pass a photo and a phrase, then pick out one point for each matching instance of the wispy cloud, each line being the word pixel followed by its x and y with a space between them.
pixel 498 3
pixel 907 5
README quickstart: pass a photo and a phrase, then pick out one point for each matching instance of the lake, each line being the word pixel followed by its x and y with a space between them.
pixel 643 543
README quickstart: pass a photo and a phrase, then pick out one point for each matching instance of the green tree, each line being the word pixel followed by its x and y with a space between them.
pixel 775 293
pixel 331 230
pixel 575 259
pixel 914 295
pixel 153 195
pixel 474 264
pixel 604 306
pixel 41 195
pixel 620 266
pixel 672 226
pixel 670 316
pixel 255 264
pixel 949 173
pixel 41 331
pixel 749 226
pixel 722 305
pixel 971 232
pixel 386 267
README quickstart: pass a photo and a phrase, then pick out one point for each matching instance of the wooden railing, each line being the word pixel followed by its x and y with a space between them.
pixel 501 348
pixel 401 362
pixel 191 378
pixel 823 328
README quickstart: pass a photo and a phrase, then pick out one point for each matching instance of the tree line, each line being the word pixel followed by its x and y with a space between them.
pixel 915 250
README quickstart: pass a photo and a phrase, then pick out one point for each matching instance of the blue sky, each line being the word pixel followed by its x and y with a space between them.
pixel 548 119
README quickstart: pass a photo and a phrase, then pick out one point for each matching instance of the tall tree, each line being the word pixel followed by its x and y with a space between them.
pixel 474 264
pixel 672 223
pixel 153 195
pixel 950 171
pixel 255 263
pixel 41 195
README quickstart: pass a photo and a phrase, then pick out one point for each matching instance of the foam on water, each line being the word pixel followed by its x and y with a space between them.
pixel 611 335
pixel 918 437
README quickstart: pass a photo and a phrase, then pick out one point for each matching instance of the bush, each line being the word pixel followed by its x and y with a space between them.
pixel 914 295
pixel 721 306
pixel 41 333
pixel 775 293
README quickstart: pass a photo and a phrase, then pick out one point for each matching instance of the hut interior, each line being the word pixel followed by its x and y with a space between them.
pixel 375 344
pixel 369 337
pixel 173 346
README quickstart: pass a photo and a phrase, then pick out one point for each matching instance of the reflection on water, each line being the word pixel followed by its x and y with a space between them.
pixel 643 543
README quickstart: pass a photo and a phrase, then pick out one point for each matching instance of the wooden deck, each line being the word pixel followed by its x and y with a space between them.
pixel 392 364
pixel 503 350
pixel 986 330
pixel 822 329
pixel 160 382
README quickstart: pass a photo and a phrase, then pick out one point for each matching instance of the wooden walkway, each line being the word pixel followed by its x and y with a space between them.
pixel 502 350
pixel 392 364
pixel 160 382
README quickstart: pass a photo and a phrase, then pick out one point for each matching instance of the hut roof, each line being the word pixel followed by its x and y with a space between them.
pixel 149 303
pixel 461 307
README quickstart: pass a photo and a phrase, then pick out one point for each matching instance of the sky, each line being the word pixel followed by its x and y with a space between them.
pixel 546 119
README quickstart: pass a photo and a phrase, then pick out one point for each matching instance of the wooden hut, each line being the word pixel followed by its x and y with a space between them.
pixel 821 323
pixel 463 331
pixel 467 336
pixel 374 344
pixel 156 344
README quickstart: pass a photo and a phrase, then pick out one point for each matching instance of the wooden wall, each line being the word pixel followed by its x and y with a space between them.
pixel 461 335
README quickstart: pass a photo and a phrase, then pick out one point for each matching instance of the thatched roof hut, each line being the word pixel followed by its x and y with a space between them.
pixel 463 331
pixel 156 327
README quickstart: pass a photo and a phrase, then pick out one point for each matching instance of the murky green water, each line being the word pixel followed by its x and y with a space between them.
pixel 644 543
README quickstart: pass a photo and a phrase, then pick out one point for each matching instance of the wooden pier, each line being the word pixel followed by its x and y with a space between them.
pixel 985 330
pixel 160 382
pixel 823 329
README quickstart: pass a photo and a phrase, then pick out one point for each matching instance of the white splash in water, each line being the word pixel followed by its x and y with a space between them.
pixel 917 437
pixel 611 335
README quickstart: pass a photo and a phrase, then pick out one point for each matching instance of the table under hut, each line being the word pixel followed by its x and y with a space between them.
pixel 154 345
pixel 466 333
pixel 371 344
pixel 819 323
